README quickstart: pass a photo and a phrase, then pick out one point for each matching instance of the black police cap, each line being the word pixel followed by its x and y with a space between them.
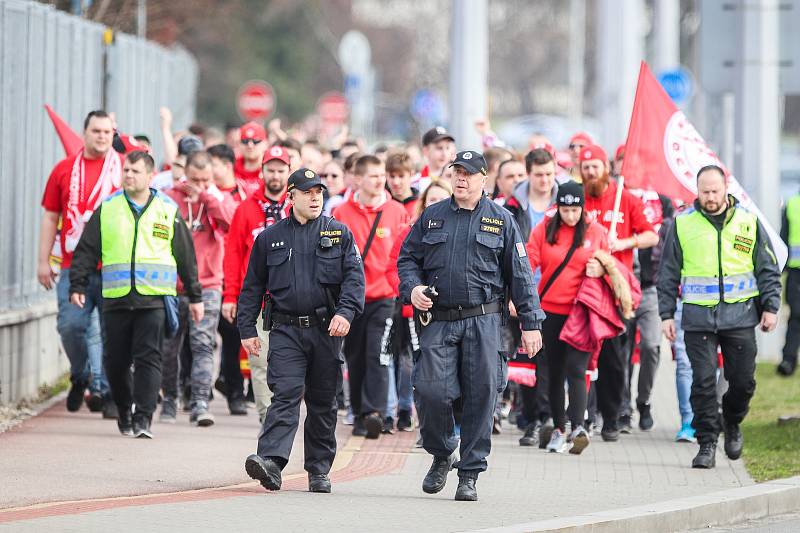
pixel 473 162
pixel 304 179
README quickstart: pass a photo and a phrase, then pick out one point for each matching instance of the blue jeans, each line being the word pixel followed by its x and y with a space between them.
pixel 80 333
pixel 391 396
pixel 683 370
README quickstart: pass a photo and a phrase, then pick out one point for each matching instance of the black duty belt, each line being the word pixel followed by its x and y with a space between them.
pixel 299 321
pixel 460 313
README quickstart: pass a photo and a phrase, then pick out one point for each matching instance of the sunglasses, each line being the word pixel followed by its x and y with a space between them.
pixel 334 176
pixel 573 146
pixel 251 141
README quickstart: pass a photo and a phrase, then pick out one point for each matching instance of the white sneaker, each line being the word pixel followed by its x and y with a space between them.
pixel 558 442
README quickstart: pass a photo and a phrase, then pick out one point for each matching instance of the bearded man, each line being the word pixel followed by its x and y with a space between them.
pixel 632 231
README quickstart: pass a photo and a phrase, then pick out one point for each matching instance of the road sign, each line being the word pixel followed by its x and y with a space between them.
pixel 255 100
pixel 678 83
pixel 333 109
pixel 426 106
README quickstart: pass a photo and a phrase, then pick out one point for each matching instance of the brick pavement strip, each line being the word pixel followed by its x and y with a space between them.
pixel 379 489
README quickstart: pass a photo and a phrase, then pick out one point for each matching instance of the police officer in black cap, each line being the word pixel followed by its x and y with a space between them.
pixel 461 259
pixel 312 269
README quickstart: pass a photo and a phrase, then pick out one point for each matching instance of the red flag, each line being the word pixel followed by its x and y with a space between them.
pixel 664 151
pixel 71 141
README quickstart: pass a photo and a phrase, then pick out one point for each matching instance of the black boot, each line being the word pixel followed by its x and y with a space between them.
pixel 94 402
pixel 733 440
pixel 645 417
pixel 373 423
pixel 319 483
pixel 436 478
pixel 787 367
pixel 264 470
pixel 466 491
pixel 706 457
pixel 75 395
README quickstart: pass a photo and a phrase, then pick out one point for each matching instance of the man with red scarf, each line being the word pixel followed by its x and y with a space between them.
pixel 261 209
pixel 632 231
pixel 76 187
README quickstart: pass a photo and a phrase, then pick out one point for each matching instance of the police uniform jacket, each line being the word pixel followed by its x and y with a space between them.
pixel 288 261
pixel 470 257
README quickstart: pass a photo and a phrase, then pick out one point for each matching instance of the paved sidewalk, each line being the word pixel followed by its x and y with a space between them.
pixel 60 456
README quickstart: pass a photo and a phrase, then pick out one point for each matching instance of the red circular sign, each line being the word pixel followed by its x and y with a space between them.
pixel 333 108
pixel 256 100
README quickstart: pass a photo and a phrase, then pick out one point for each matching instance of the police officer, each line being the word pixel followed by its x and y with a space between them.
pixel 460 258
pixel 790 233
pixel 721 258
pixel 313 272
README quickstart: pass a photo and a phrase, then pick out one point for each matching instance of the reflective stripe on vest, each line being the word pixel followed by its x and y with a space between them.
pixel 793 218
pixel 147 242
pixel 701 243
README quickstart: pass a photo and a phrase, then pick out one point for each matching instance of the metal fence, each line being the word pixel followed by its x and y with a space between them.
pixel 50 57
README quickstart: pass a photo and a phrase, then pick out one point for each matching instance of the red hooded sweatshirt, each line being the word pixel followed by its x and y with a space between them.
pixel 359 219
pixel 211 215
pixel 250 219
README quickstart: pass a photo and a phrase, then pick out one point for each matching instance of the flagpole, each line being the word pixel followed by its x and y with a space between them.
pixel 612 232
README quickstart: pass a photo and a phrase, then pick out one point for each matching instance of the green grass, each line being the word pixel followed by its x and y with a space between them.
pixel 772 451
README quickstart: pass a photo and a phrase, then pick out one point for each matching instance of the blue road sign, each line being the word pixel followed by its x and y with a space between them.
pixel 426 106
pixel 678 84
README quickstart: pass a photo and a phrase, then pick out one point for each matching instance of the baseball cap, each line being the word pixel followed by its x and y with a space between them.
pixel 570 193
pixel 436 134
pixel 473 162
pixel 581 136
pixel 189 144
pixel 592 152
pixel 303 179
pixel 620 152
pixel 275 152
pixel 252 130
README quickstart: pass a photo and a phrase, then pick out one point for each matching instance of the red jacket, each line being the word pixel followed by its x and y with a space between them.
pixel 561 295
pixel 214 209
pixel 595 316
pixel 359 219
pixel 248 221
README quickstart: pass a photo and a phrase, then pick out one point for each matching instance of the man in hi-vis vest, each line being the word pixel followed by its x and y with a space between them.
pixel 720 257
pixel 143 244
pixel 790 233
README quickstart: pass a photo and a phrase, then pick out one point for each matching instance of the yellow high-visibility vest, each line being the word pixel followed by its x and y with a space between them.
pixel 138 253
pixel 793 217
pixel 717 265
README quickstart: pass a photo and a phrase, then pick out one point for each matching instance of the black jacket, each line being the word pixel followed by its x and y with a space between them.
pixel 471 257
pixel 88 253
pixel 723 316
pixel 289 261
